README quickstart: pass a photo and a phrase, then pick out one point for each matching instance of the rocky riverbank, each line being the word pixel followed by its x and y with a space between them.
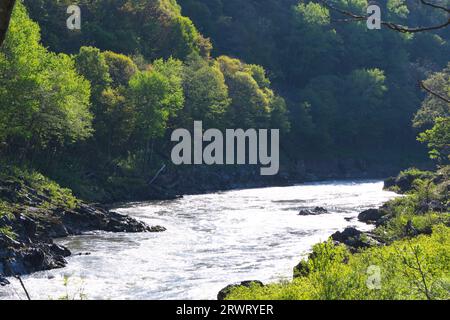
pixel 34 211
pixel 425 206
pixel 171 182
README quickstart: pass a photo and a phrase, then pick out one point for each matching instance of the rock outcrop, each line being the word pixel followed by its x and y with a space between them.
pixel 314 212
pixel 226 291
pixel 355 239
pixel 30 219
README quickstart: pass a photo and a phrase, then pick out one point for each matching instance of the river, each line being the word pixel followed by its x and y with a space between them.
pixel 211 240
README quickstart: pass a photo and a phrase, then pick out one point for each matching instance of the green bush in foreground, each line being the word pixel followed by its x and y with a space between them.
pixel 411 269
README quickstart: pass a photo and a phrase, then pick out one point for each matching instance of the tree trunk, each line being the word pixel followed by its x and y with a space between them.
pixel 6 8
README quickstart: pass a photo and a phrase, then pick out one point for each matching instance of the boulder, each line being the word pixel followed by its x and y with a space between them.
pixel 302 269
pixel 348 233
pixel 355 239
pixel 226 291
pixel 60 250
pixel 314 212
pixel 371 215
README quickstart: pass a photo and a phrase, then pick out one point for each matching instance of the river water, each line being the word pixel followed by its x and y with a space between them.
pixel 211 240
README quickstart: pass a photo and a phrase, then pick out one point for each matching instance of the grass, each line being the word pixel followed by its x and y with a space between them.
pixel 33 183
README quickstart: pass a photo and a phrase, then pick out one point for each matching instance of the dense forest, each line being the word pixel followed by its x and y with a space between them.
pixel 101 102
pixel 87 115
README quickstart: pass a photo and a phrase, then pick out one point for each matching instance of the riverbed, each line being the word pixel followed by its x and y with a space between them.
pixel 212 240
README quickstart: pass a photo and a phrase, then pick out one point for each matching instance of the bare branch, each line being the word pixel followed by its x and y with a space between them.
pixel 426 3
pixel 391 25
pixel 23 286
pixel 434 93
pixel 6 8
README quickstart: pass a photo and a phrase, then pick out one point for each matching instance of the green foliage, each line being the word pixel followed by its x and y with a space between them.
pixel 433 107
pixel 5 208
pixel 410 269
pixel 154 28
pixel 92 65
pixel 398 7
pixel 120 67
pixel 43 100
pixel 312 14
pixel 357 115
pixel 157 95
pixel 58 197
pixel 414 208
pixel 346 91
pixel 7 231
pixel 30 185
pixel 206 94
pixel 252 102
pixel 413 263
pixel 438 139
pixel 324 64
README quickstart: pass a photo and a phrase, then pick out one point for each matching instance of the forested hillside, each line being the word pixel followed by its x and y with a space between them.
pixel 349 88
pixel 100 103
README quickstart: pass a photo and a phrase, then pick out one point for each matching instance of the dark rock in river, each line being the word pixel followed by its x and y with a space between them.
pixel 3 281
pixel 226 291
pixel 371 215
pixel 354 238
pixel 348 233
pixel 314 212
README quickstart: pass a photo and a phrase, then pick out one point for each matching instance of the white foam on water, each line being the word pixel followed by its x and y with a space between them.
pixel 211 241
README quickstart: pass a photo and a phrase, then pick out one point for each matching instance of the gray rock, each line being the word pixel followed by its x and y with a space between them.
pixel 371 215
pixel 314 212
pixel 354 239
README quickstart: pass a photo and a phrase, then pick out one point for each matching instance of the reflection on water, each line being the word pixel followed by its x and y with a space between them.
pixel 211 240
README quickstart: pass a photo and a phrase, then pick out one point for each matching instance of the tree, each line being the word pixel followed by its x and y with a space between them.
pixel 250 104
pixel 363 111
pixel 92 65
pixel 153 28
pixel 437 101
pixel 157 96
pixel 43 101
pixel 206 94
pixel 121 68
pixel 438 140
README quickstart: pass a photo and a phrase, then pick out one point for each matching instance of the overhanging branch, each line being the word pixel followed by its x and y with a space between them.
pixel 434 93
pixel 393 26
